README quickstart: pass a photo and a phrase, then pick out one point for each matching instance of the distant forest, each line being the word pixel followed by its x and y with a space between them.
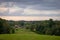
pixel 46 27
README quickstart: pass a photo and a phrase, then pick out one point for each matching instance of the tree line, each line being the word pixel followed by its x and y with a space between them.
pixel 47 27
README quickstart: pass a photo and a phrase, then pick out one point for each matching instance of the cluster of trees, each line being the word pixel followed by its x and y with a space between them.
pixel 48 27
pixel 5 28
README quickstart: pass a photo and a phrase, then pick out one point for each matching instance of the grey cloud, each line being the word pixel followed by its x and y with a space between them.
pixel 32 4
pixel 44 4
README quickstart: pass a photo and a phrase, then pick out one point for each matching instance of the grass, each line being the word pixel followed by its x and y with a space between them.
pixel 23 34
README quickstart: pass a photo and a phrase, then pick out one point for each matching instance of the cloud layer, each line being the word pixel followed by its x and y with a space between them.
pixel 29 7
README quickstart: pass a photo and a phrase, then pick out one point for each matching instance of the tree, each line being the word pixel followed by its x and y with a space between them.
pixel 4 26
pixel 51 23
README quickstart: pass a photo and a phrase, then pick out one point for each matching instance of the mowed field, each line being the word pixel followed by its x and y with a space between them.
pixel 23 34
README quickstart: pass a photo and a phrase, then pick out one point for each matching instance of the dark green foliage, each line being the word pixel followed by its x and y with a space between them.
pixel 48 27
pixel 13 31
pixel 5 28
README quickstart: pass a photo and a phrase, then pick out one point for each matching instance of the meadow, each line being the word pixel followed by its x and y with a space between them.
pixel 23 34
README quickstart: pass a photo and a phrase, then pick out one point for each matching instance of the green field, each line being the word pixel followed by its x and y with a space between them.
pixel 23 34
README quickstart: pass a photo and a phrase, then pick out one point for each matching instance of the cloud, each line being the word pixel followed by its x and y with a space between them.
pixel 15 9
pixel 3 9
pixel 37 4
pixel 30 8
pixel 33 9
pixel 34 12
pixel 18 11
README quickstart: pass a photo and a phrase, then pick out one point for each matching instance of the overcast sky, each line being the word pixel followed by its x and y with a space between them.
pixel 30 8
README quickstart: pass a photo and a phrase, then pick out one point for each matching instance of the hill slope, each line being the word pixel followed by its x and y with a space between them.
pixel 23 34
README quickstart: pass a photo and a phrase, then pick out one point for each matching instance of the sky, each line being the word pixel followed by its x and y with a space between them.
pixel 30 9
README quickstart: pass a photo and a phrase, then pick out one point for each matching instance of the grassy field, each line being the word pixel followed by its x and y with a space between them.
pixel 23 34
